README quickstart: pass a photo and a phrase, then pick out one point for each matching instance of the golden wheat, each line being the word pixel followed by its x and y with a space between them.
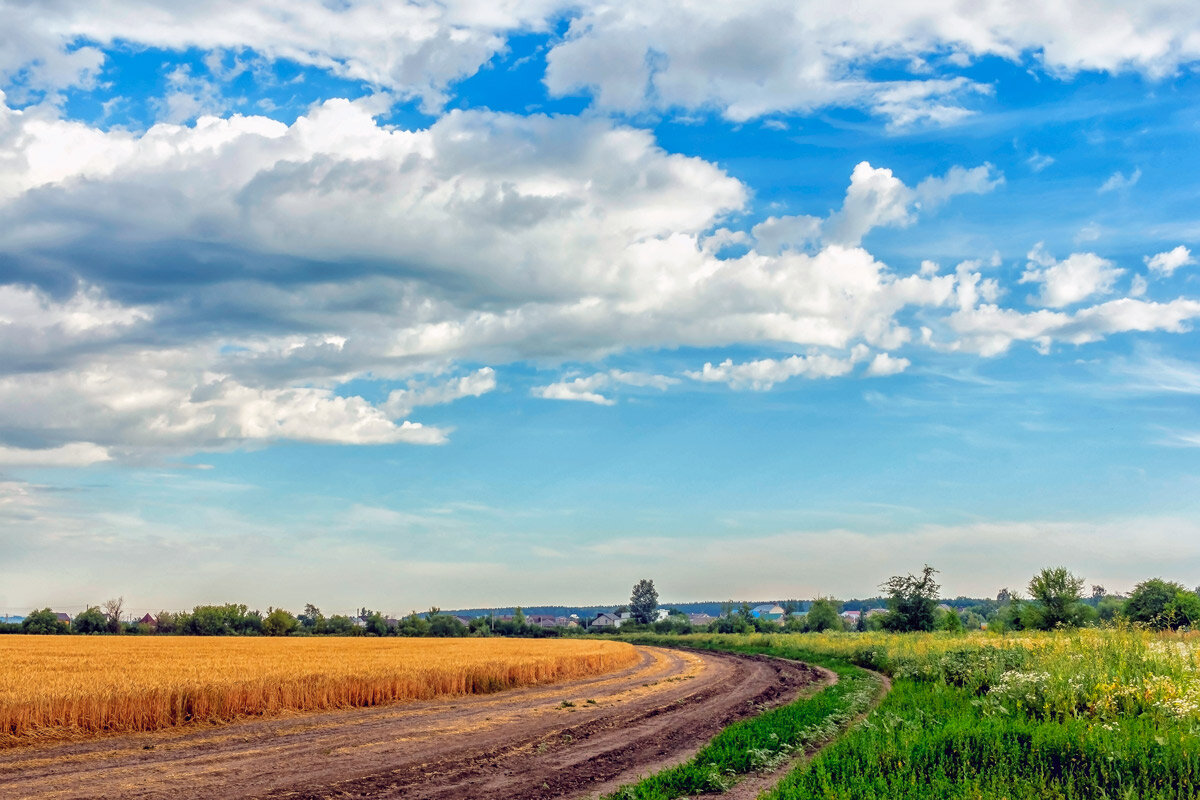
pixel 65 687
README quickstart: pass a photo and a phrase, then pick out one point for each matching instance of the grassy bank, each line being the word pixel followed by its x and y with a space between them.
pixel 1097 714
pixel 768 739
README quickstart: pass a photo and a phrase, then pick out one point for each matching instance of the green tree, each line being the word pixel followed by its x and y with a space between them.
pixel 823 616
pixel 91 620
pixel 279 622
pixel 1162 604
pixel 312 619
pixel 912 600
pixel 950 622
pixel 1055 595
pixel 42 622
pixel 643 602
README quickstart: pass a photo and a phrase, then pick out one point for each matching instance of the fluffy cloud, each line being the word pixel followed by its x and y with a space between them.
pixel 745 60
pixel 214 284
pixel 414 49
pixel 587 388
pixel 884 364
pixel 1167 262
pixel 748 60
pixel 1066 282
pixel 764 373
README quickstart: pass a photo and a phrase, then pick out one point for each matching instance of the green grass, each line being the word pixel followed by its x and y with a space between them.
pixel 930 740
pixel 1093 715
pixel 766 740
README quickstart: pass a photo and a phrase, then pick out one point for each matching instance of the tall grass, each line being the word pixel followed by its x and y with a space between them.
pixel 64 687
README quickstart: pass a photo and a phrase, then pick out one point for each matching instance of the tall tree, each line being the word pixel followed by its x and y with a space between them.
pixel 912 599
pixel 1056 594
pixel 1162 604
pixel 643 602
pixel 112 610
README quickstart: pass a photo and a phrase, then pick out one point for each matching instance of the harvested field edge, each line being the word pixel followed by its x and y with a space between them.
pixel 770 739
pixel 77 713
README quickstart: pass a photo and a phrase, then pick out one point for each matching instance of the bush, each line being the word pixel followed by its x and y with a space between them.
pixel 44 621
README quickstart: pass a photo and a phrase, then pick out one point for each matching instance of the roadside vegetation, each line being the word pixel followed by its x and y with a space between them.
pixel 1091 713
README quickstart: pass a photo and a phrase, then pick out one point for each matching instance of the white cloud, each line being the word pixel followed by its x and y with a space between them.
pixel 1167 262
pixel 764 373
pixel 884 364
pixel 751 60
pixel 401 402
pixel 1118 180
pixel 75 454
pixel 1039 161
pixel 1066 282
pixel 877 198
pixel 231 275
pixel 587 388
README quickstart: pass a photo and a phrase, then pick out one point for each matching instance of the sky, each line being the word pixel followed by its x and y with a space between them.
pixel 473 304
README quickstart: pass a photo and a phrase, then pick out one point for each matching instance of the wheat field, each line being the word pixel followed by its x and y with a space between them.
pixel 58 687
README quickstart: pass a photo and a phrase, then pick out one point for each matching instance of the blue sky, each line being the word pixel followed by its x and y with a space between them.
pixel 468 304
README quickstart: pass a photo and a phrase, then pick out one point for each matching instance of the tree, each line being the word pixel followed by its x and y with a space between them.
pixel 643 602
pixel 1162 604
pixel 822 616
pixel 312 619
pixel 279 622
pixel 91 620
pixel 911 601
pixel 1098 592
pixel 112 610
pixel 1056 594
pixel 951 622
pixel 43 621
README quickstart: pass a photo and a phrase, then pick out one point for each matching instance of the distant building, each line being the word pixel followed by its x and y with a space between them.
pixel 767 611
pixel 700 620
pixel 874 612
pixel 63 617
pixel 148 620
pixel 607 619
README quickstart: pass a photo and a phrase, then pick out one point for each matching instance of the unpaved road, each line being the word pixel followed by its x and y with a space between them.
pixel 523 744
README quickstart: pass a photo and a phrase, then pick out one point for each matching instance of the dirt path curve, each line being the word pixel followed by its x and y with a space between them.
pixel 562 740
pixel 753 786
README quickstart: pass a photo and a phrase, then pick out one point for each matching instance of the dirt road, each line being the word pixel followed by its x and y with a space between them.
pixel 573 739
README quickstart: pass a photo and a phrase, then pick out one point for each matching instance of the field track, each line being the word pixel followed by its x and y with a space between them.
pixel 515 745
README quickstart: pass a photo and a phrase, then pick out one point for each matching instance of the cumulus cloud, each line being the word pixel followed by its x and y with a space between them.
pixel 750 60
pixel 401 402
pixel 762 374
pixel 1167 262
pixel 746 60
pixel 884 364
pixel 877 198
pixel 218 283
pixel 587 388
pixel 1066 282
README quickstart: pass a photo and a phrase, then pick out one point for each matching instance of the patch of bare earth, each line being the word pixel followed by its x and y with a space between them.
pixel 569 739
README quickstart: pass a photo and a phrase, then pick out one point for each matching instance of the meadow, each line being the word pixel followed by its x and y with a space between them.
pixel 67 687
pixel 1092 713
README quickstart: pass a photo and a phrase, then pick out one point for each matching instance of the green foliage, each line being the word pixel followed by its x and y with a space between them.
pixel 1162 605
pixel 931 741
pixel 950 622
pixel 228 620
pixel 912 600
pixel 643 602
pixel 279 622
pixel 822 616
pixel 1056 595
pixel 445 625
pixel 91 620
pixel 341 625
pixel 43 621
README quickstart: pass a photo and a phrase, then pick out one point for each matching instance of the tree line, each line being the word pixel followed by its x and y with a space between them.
pixel 1056 599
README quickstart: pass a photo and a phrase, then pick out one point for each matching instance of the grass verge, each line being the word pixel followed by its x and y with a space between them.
pixel 766 740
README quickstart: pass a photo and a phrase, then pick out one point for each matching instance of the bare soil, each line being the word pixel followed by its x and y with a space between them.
pixel 574 739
